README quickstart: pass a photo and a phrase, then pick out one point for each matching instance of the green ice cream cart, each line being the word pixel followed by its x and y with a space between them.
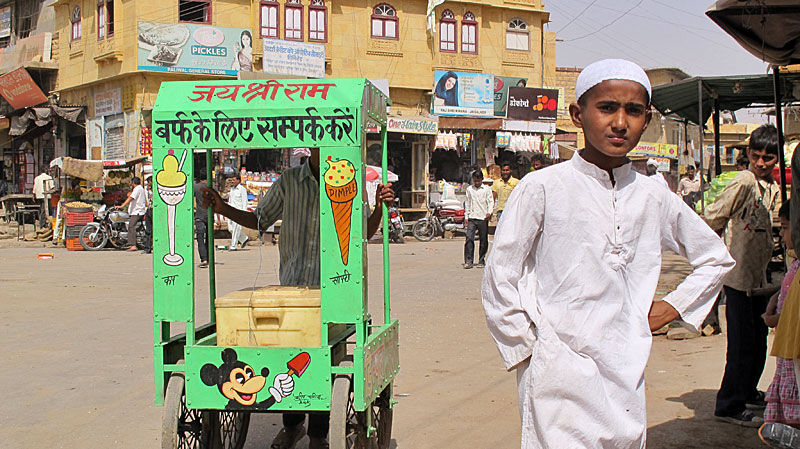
pixel 208 389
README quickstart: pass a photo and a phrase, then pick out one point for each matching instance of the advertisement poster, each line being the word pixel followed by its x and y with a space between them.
pixel 532 104
pixel 662 150
pixel 187 48
pixel 462 93
pixel 19 90
pixel 501 85
pixel 294 58
pixel 5 21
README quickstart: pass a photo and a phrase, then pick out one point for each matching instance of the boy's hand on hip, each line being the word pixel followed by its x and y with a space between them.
pixel 661 314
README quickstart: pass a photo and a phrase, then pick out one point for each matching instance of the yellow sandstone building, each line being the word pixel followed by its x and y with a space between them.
pixel 110 63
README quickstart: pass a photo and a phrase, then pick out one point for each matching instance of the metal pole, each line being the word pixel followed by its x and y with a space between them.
pixel 385 225
pixel 702 152
pixel 212 279
pixel 717 158
pixel 776 78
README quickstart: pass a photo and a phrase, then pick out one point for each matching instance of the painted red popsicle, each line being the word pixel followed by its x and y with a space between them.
pixel 299 364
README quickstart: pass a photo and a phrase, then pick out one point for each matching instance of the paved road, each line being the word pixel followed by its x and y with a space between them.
pixel 78 367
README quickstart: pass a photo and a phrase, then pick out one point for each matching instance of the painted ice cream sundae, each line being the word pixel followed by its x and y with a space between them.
pixel 171 182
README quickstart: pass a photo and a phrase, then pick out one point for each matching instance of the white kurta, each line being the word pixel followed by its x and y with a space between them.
pixel 570 281
pixel 237 198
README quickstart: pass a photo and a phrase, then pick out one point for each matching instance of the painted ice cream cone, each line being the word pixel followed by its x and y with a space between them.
pixel 341 188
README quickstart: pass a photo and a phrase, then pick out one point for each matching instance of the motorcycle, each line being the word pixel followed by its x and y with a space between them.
pixel 397 226
pixel 442 216
pixel 111 226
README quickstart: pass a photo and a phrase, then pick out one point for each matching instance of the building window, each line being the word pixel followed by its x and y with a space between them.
pixel 469 34
pixel 447 31
pixel 109 17
pixel 317 21
pixel 197 11
pixel 294 20
pixel 101 19
pixel 27 15
pixel 384 22
pixel 269 19
pixel 517 35
pixel 76 23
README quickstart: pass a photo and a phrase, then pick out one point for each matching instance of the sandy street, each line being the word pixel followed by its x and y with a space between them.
pixel 78 369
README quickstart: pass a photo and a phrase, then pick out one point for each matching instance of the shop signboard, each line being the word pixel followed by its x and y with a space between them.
pixel 5 21
pixel 294 58
pixel 19 90
pixel 462 93
pixel 526 103
pixel 501 85
pixel 188 48
pixel 413 126
pixel 658 150
pixel 108 102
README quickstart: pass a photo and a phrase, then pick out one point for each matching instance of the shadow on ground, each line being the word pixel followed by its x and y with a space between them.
pixel 700 431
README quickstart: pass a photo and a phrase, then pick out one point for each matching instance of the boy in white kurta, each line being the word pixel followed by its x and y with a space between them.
pixel 569 285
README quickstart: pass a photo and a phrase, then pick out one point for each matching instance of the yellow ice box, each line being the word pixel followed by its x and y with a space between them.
pixel 269 316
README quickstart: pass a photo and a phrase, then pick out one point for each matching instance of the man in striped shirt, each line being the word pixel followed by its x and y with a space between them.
pixel 294 198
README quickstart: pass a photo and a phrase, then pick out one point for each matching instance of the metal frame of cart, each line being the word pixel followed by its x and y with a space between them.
pixel 350 373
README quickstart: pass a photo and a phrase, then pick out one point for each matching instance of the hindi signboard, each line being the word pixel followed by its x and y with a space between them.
pixel 501 85
pixel 532 104
pixel 294 58
pixel 19 90
pixel 188 48
pixel 108 102
pixel 462 93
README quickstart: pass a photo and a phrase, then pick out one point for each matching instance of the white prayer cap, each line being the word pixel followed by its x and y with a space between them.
pixel 652 162
pixel 610 69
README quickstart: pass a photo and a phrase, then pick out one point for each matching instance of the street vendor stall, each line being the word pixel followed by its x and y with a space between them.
pixel 320 341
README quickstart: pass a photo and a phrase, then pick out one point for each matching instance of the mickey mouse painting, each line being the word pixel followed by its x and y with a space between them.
pixel 238 382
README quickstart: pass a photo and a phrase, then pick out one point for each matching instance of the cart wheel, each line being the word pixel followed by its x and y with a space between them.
pixel 183 428
pixel 231 429
pixel 348 428
pixel 382 419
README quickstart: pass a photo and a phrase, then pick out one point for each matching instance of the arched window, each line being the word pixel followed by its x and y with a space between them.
pixel 76 23
pixel 517 35
pixel 384 22
pixel 469 34
pixel 447 31
pixel 317 21
pixel 269 19
pixel 294 20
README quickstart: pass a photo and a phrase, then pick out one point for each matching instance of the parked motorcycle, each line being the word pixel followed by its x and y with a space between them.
pixel 397 226
pixel 111 226
pixel 442 216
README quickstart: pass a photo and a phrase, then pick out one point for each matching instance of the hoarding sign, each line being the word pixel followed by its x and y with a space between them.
pixel 663 150
pixel 462 93
pixel 187 48
pixel 501 85
pixel 532 104
pixel 294 58
pixel 19 90
pixel 413 126
pixel 5 21
pixel 108 102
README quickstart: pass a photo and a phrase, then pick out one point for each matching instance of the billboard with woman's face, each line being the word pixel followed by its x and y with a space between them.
pixel 462 93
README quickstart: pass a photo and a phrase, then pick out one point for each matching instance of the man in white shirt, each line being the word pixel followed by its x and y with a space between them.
pixel 42 187
pixel 237 199
pixel 653 173
pixel 478 211
pixel 137 206
pixel 568 289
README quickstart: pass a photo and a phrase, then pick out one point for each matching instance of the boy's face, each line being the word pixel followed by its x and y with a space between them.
pixel 761 162
pixel 786 233
pixel 613 117
pixel 477 182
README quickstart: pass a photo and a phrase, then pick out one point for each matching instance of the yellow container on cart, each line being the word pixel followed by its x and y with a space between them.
pixel 269 316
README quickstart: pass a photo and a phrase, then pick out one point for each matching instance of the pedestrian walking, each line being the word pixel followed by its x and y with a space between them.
pixel 501 189
pixel 568 288
pixel 689 186
pixel 201 221
pixel 742 213
pixel 653 173
pixel 477 212
pixel 237 199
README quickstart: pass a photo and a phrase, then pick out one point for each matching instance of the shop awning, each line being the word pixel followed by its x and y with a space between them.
pixel 470 123
pixel 115 164
pixel 731 92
